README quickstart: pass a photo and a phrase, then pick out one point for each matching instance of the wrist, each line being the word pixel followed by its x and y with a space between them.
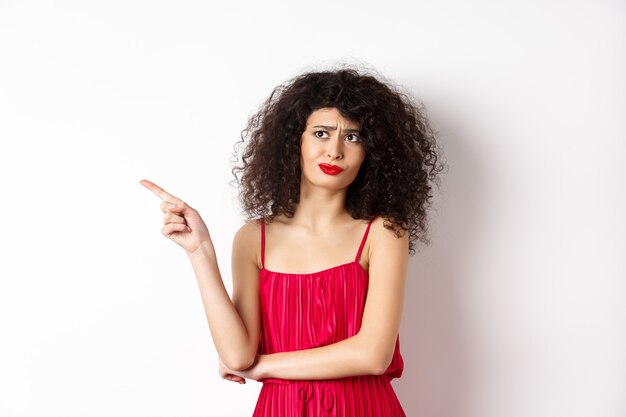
pixel 202 250
pixel 264 365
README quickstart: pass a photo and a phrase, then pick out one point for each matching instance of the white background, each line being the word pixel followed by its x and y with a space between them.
pixel 515 310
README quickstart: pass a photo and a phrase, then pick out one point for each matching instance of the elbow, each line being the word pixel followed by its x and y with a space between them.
pixel 242 365
pixel 376 355
pixel 239 363
pixel 241 359
pixel 380 363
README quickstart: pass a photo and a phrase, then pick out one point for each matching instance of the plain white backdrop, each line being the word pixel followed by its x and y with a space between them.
pixel 515 310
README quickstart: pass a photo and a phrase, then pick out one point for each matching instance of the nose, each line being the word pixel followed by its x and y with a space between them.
pixel 335 149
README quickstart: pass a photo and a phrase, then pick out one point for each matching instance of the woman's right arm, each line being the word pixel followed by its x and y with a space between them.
pixel 234 325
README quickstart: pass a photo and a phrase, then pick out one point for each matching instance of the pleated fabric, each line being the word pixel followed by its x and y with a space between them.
pixel 303 311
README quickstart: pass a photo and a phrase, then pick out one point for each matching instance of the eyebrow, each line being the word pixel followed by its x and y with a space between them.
pixel 335 128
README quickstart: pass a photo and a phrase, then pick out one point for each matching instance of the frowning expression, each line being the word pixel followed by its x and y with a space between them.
pixel 332 149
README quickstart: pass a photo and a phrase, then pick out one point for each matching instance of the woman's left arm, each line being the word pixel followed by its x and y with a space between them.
pixel 370 351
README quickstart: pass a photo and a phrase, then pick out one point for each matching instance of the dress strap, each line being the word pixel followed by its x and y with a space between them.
pixel 263 243
pixel 367 230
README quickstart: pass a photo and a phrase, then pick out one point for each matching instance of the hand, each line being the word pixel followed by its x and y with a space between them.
pixel 181 223
pixel 229 374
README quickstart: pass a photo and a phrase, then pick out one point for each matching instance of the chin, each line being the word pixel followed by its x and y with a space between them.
pixel 333 184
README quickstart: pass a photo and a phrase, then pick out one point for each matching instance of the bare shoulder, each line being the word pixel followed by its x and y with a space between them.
pixel 249 229
pixel 384 243
pixel 247 241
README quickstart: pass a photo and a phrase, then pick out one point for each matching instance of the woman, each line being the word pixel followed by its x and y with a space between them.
pixel 335 181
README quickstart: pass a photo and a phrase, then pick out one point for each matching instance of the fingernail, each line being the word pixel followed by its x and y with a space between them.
pixel 171 205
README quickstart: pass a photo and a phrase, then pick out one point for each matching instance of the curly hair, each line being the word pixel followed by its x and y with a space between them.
pixel 401 150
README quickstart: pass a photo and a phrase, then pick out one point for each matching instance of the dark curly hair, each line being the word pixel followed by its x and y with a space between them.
pixel 401 151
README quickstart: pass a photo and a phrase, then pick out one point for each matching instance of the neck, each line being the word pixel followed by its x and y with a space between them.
pixel 320 208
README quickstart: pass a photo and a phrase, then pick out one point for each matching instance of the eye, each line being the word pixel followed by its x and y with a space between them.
pixel 323 132
pixel 353 138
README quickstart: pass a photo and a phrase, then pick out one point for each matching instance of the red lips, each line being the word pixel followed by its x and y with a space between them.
pixel 330 169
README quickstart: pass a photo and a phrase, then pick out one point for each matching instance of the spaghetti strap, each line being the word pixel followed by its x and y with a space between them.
pixel 262 243
pixel 367 230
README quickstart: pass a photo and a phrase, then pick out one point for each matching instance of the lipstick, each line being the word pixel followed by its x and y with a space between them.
pixel 330 169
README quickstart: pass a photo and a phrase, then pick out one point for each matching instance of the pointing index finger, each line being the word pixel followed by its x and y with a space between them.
pixel 164 195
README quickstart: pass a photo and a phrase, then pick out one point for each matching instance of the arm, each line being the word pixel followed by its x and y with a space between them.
pixel 370 351
pixel 234 325
pixel 349 357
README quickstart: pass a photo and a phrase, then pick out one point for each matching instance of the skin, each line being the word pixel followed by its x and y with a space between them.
pixel 329 138
pixel 320 235
pixel 184 226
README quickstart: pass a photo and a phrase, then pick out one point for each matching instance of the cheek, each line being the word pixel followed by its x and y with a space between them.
pixel 306 155
pixel 308 150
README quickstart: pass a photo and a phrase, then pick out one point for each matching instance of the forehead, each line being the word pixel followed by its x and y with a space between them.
pixel 330 116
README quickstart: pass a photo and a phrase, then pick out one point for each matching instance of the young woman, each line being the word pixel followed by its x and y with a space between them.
pixel 335 181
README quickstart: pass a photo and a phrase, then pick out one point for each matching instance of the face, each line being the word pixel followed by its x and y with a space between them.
pixel 332 150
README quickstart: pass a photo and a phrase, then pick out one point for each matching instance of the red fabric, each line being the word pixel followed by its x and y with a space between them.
pixel 303 311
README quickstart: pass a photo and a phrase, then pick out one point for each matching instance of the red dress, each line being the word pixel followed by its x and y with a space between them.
pixel 303 311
